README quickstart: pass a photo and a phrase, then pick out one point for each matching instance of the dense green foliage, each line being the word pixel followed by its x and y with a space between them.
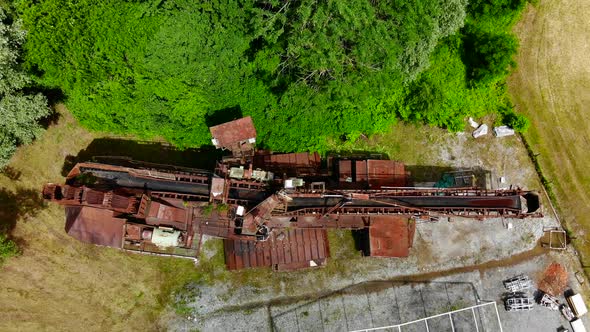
pixel 491 56
pixel 19 110
pixel 305 70
pixel 7 248
pixel 517 121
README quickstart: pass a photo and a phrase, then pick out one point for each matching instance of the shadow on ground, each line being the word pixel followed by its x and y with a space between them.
pixel 223 115
pixel 482 178
pixel 18 205
pixel 153 152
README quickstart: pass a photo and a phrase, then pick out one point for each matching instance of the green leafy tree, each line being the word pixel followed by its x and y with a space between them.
pixel 492 56
pixel 495 15
pixel 19 111
pixel 304 70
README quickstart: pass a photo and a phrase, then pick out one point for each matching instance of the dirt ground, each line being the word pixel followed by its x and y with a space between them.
pixel 552 87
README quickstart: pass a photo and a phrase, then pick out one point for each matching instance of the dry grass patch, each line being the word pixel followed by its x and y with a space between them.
pixel 58 283
pixel 552 87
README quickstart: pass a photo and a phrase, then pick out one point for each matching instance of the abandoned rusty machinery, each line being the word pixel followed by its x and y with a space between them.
pixel 271 209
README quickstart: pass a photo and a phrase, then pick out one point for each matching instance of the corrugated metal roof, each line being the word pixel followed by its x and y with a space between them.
pixel 96 226
pixel 293 164
pixel 292 250
pixel 391 236
pixel 372 174
pixel 161 214
pixel 233 132
pixel 386 173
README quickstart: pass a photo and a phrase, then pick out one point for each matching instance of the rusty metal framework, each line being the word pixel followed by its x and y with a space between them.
pixel 168 209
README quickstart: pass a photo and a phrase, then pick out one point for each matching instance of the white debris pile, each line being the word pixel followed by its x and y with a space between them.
pixel 503 131
pixel 480 131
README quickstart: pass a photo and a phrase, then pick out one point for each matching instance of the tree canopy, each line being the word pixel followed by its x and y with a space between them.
pixel 304 70
pixel 19 109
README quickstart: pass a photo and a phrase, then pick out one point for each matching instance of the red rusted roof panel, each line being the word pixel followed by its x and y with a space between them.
pixel 290 163
pixel 391 236
pixel 345 170
pixel 361 170
pixel 233 132
pixel 386 173
pixel 291 250
pixel 96 226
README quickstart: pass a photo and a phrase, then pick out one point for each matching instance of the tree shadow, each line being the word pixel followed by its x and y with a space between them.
pixel 358 154
pixel 457 177
pixel 21 204
pixel 223 115
pixel 54 96
pixel 120 151
pixel 11 173
pixel 467 53
pixel 51 119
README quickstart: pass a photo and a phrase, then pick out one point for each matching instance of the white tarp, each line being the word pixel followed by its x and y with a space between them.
pixel 481 131
pixel 503 131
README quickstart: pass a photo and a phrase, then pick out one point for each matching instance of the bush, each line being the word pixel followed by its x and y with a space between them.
pixel 7 248
pixel 518 122
pixel 490 56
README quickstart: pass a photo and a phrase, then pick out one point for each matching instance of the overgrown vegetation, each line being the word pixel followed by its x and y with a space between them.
pixel 20 108
pixel 305 70
pixel 7 248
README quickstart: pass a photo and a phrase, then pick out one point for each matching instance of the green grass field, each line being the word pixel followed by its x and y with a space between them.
pixel 552 87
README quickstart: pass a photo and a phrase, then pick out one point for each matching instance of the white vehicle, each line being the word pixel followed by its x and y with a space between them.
pixel 577 304
pixel 578 326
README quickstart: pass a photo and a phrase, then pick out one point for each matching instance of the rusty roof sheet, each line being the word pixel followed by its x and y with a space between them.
pixel 94 225
pixel 164 215
pixel 133 232
pixel 371 173
pixel 301 159
pixel 217 187
pixel 391 236
pixel 293 249
pixel 388 173
pixel 233 132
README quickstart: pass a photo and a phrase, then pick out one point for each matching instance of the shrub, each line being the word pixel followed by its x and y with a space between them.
pixel 490 56
pixel 518 122
pixel 8 248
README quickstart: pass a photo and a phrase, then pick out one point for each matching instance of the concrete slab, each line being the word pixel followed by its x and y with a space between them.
pixel 333 315
pixel 384 307
pixel 309 317
pixel 357 311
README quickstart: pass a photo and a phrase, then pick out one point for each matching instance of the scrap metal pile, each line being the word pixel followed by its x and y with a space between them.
pixel 271 209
